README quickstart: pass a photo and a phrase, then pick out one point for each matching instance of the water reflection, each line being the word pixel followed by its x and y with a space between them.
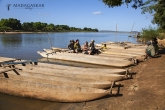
pixel 8 102
pixel 11 41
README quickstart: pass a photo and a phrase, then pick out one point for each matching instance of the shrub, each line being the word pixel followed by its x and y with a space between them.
pixel 149 33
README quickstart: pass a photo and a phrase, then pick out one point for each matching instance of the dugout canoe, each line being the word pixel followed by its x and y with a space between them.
pixel 66 73
pixel 91 59
pixel 125 44
pixel 126 51
pixel 54 68
pixel 6 59
pixel 114 46
pixel 120 53
pixel 50 92
pixel 50 51
pixel 139 58
pixel 68 81
pixel 95 56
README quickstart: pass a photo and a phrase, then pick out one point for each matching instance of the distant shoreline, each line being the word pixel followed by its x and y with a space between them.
pixel 36 32
pixel 57 32
pixel 20 32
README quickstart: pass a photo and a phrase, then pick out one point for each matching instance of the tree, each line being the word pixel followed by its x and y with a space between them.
pixel 14 24
pixel 115 3
pixel 11 23
pixel 27 26
pixel 157 9
pixel 50 27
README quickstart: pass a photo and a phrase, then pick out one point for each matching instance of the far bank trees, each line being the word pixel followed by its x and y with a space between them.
pixel 15 25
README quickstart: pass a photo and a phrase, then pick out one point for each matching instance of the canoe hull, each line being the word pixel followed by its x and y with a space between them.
pixel 50 92
pixel 107 61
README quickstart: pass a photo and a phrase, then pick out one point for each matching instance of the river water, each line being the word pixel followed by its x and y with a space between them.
pixel 25 46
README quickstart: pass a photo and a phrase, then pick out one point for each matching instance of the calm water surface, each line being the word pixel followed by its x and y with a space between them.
pixel 25 46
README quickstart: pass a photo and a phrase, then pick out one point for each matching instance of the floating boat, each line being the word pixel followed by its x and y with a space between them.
pixel 91 59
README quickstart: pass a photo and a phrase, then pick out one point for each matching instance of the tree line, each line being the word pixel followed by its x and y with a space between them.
pixel 12 24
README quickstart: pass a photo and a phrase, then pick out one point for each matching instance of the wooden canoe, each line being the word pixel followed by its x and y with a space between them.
pixel 96 56
pixel 6 59
pixel 120 53
pixel 46 67
pixel 139 58
pixel 114 46
pixel 45 78
pixel 64 73
pixel 50 92
pixel 91 59
pixel 126 51
pixel 49 51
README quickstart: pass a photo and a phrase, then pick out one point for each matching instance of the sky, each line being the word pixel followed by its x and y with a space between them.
pixel 78 13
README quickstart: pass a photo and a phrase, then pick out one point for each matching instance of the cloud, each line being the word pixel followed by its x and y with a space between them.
pixel 97 13
pixel 43 14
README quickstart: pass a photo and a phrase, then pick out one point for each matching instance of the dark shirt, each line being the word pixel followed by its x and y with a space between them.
pixel 92 46
pixel 71 46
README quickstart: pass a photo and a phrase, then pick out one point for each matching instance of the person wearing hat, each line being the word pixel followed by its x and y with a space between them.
pixel 71 46
pixel 92 48
pixel 77 46
pixel 150 50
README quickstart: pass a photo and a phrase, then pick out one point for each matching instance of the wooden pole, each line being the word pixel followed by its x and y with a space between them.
pixel 49 40
pixel 116 33
pixel 131 31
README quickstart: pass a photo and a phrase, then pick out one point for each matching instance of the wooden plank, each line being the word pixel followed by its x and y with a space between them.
pixel 9 65
pixel 6 70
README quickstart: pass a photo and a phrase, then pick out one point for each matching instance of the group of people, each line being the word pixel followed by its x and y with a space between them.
pixel 152 49
pixel 75 47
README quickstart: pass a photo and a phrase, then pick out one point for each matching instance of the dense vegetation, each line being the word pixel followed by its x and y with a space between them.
pixel 150 33
pixel 15 25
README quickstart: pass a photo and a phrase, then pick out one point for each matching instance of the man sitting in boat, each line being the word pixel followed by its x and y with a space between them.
pixel 71 46
pixel 150 50
pixel 85 48
pixel 92 48
pixel 77 46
